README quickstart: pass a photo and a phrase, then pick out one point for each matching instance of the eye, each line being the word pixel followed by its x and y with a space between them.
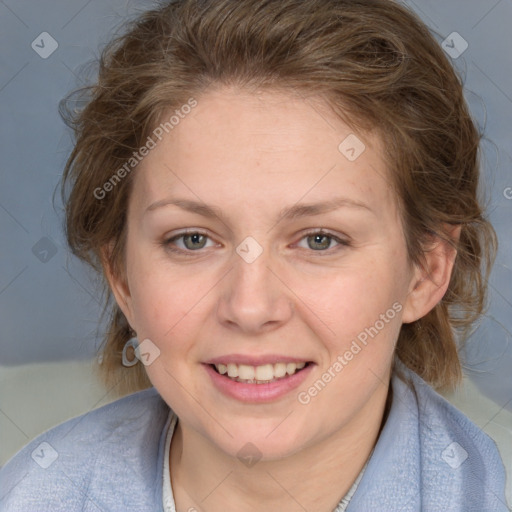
pixel 321 241
pixel 189 241
pixel 194 241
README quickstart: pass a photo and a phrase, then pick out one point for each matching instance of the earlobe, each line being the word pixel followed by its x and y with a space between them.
pixel 431 279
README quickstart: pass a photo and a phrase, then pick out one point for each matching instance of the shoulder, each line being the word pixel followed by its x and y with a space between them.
pixel 86 462
pixel 455 453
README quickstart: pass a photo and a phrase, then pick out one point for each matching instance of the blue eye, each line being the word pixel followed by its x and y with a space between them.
pixel 194 241
pixel 320 241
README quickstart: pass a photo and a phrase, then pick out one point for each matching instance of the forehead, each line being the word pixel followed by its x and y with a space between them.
pixel 265 149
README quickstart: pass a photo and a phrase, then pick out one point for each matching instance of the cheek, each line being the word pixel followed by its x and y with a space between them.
pixel 161 297
pixel 363 308
pixel 352 299
pixel 165 314
pixel 161 307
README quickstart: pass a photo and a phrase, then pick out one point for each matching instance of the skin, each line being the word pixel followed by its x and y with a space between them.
pixel 251 155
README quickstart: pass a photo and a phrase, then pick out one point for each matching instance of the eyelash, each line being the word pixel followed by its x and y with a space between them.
pixel 167 243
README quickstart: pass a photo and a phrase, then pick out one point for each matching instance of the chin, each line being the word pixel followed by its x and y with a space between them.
pixel 262 441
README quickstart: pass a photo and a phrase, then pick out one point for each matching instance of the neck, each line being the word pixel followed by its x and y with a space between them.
pixel 206 478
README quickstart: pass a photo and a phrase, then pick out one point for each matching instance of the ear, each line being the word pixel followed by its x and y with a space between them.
pixel 118 284
pixel 430 282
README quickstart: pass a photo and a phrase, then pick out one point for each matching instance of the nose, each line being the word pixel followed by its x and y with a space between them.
pixel 254 298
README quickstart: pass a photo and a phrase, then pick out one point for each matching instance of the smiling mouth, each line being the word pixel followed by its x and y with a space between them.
pixel 263 374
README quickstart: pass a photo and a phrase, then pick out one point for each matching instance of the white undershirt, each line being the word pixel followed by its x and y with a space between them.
pixel 168 497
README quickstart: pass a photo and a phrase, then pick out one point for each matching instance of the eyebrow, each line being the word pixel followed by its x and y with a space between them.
pixel 289 213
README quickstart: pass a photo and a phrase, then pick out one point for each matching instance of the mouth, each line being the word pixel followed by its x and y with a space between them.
pixel 262 374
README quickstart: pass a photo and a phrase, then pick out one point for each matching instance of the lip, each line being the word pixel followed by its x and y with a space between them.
pixel 251 360
pixel 258 393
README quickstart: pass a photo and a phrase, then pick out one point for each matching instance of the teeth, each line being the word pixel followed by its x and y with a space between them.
pixel 265 372
pixel 290 368
pixel 279 370
pixel 232 370
pixel 258 374
pixel 245 372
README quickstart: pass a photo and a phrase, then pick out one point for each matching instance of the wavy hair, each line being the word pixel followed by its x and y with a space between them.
pixel 379 68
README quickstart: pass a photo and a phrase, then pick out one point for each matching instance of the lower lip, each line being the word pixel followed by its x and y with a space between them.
pixel 258 393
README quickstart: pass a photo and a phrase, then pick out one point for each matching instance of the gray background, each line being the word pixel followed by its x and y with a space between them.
pixel 49 303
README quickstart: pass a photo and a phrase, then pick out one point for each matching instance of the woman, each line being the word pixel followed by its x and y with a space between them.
pixel 281 196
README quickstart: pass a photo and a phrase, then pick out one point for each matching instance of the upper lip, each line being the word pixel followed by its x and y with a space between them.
pixel 251 360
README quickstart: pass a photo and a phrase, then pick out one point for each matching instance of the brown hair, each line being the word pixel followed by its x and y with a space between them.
pixel 375 64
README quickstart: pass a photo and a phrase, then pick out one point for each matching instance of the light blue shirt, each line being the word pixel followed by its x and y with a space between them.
pixel 429 457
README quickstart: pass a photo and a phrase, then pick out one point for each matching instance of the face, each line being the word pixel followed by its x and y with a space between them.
pixel 295 253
